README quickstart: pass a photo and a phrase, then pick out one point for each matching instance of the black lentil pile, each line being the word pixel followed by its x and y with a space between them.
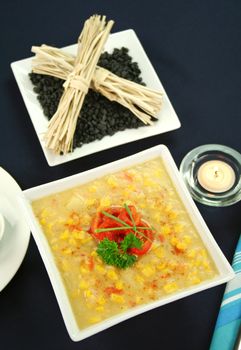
pixel 99 116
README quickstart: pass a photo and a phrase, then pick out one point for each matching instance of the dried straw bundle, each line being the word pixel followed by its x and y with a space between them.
pixel 51 61
pixel 142 101
pixel 59 136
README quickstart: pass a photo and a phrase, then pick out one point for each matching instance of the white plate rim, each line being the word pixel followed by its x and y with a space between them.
pixel 17 252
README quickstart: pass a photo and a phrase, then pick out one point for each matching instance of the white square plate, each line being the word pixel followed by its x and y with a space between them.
pixel 167 118
pixel 225 271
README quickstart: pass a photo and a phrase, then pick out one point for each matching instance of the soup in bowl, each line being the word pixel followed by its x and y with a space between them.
pixel 124 240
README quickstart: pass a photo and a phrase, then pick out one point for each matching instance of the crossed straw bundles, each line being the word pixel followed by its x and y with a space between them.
pixel 81 73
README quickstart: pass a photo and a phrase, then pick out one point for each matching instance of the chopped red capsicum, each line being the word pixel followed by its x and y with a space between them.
pixel 121 218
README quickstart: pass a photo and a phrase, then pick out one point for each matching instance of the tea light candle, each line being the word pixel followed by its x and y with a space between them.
pixel 216 176
pixel 212 174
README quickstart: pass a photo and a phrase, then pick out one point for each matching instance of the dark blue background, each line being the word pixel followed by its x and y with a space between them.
pixel 195 48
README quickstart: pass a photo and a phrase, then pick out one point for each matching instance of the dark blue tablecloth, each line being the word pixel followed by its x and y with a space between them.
pixel 195 48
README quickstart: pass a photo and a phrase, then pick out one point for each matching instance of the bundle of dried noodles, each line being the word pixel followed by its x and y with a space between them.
pixel 142 101
pixel 59 136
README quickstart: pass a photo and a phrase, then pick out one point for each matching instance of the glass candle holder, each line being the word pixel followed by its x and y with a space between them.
pixel 212 174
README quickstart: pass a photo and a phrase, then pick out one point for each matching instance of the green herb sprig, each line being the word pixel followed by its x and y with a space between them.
pixel 115 255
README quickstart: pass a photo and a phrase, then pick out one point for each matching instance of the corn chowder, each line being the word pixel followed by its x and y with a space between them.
pixel 175 259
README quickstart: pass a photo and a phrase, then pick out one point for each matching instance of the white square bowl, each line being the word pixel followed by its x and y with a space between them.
pixel 225 271
pixel 167 118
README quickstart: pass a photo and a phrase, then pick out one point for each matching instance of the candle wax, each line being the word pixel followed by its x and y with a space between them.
pixel 216 176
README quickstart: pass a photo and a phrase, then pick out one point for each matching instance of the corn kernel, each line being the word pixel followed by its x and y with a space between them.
pixel 83 270
pixel 67 251
pixel 100 269
pixel 117 298
pixel 157 173
pixel 206 264
pixel 148 182
pixel 91 201
pixel 192 264
pixel 88 293
pixel 195 280
pixel 138 299
pixel 112 181
pixel 191 253
pixel 112 275
pixel 43 221
pixel 172 215
pixel 140 265
pixel 142 205
pixel 181 246
pixel 165 271
pixel 87 240
pixel 44 213
pixel 126 193
pixel 65 265
pixel 70 221
pixel 170 287
pixel 203 253
pixel 139 279
pixel 156 216
pixel 161 266
pixel 72 241
pixel 99 308
pixel 50 225
pixel 174 241
pixel 131 187
pixel 119 285
pixel 187 239
pixel 105 201
pixel 94 319
pixel 78 234
pixel 83 284
pixel 148 271
pixel 101 300
pixel 159 252
pixel 178 228
pixel 197 262
pixel 172 264
pixel 92 189
pixel 165 230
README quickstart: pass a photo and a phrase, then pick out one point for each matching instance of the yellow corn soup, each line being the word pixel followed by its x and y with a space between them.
pixel 176 260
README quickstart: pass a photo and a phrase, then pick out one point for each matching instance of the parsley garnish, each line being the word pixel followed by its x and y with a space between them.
pixel 130 241
pixel 116 255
